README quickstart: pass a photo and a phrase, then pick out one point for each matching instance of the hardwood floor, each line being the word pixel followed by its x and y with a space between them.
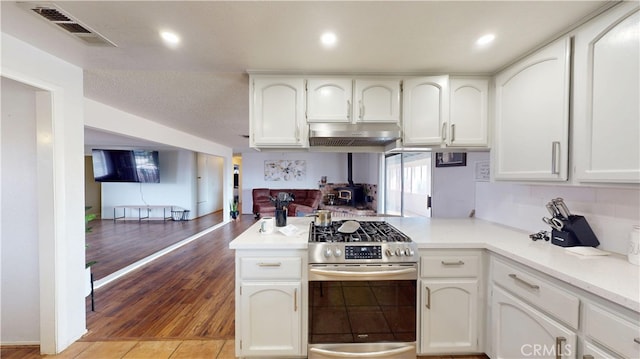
pixel 115 245
pixel 186 294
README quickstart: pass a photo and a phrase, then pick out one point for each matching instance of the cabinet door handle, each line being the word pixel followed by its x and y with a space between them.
pixel 428 305
pixel 444 131
pixel 361 105
pixel 348 109
pixel 559 342
pixel 453 132
pixel 588 356
pixel 532 286
pixel 555 153
pixel 295 300
pixel 458 263
pixel 636 340
pixel 273 264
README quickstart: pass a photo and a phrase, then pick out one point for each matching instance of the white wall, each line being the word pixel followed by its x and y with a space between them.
pixel 177 187
pixel 453 194
pixel 610 211
pixel 20 288
pixel 59 215
pixel 332 165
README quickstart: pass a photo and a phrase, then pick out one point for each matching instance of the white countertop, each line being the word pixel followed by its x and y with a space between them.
pixel 610 277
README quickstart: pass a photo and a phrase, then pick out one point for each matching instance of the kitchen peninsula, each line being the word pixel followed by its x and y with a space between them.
pixel 590 303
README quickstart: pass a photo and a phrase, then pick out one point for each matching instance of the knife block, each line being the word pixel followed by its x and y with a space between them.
pixel 575 232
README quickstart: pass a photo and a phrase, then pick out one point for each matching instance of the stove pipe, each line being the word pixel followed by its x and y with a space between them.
pixel 350 168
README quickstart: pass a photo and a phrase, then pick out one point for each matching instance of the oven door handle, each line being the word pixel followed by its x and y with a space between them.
pixel 391 353
pixel 344 273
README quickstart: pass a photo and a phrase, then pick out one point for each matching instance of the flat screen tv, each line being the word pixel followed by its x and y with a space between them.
pixel 126 166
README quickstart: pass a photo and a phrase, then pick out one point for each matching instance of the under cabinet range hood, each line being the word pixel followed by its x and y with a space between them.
pixel 353 135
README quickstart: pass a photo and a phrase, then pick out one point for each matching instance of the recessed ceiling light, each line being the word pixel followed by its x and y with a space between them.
pixel 485 39
pixel 170 38
pixel 328 39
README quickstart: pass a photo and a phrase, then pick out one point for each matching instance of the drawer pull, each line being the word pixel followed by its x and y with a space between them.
pixel 636 340
pixel 559 342
pixel 532 286
pixel 458 263
pixel 278 264
pixel 588 356
pixel 295 300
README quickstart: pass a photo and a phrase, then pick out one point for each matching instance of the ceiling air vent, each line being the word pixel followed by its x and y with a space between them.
pixel 70 25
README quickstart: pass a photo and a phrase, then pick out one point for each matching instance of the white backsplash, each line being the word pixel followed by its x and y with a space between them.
pixel 611 212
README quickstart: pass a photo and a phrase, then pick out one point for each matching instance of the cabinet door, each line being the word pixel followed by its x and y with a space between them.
pixel 329 100
pixel 277 113
pixel 377 101
pixel 519 331
pixel 607 89
pixel 270 318
pixel 425 110
pixel 449 316
pixel 532 117
pixel 468 112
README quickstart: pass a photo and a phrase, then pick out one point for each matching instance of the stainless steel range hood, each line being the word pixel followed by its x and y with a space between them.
pixel 353 135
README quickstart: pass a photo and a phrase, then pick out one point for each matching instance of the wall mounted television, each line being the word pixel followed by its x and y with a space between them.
pixel 126 166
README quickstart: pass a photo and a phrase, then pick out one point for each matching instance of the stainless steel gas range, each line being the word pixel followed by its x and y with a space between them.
pixel 362 291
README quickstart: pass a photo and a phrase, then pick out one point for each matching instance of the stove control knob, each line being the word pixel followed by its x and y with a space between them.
pixel 337 252
pixel 389 252
pixel 408 252
pixel 327 252
pixel 399 252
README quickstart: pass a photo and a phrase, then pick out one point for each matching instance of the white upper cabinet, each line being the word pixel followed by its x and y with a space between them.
pixel 468 112
pixel 425 106
pixel 532 117
pixel 377 101
pixel 445 112
pixel 607 91
pixel 277 112
pixel 329 100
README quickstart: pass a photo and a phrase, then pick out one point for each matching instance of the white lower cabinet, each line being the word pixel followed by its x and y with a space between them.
pixel 450 301
pixel 269 306
pixel 520 331
pixel 449 322
pixel 270 318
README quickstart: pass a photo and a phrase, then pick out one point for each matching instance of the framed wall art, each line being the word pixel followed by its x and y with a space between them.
pixel 285 170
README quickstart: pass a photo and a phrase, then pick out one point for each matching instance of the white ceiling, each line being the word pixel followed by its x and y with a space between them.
pixel 201 87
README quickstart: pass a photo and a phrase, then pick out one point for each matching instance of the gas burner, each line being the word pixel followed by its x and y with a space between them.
pixel 369 231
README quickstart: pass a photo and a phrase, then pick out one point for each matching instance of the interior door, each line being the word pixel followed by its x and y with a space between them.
pixel 408 184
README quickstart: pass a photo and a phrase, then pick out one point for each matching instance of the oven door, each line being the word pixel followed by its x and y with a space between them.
pixel 362 311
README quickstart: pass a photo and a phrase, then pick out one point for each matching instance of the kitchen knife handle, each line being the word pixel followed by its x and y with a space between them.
pixel 559 342
pixel 532 286
pixel 428 305
pixel 555 152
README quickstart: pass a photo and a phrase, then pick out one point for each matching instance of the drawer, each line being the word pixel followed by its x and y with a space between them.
pixel 538 292
pixel 271 268
pixel 612 331
pixel 450 265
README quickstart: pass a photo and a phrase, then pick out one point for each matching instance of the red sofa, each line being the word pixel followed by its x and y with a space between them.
pixel 305 201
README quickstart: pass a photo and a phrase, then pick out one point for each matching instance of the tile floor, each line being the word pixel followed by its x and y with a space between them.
pixel 165 349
